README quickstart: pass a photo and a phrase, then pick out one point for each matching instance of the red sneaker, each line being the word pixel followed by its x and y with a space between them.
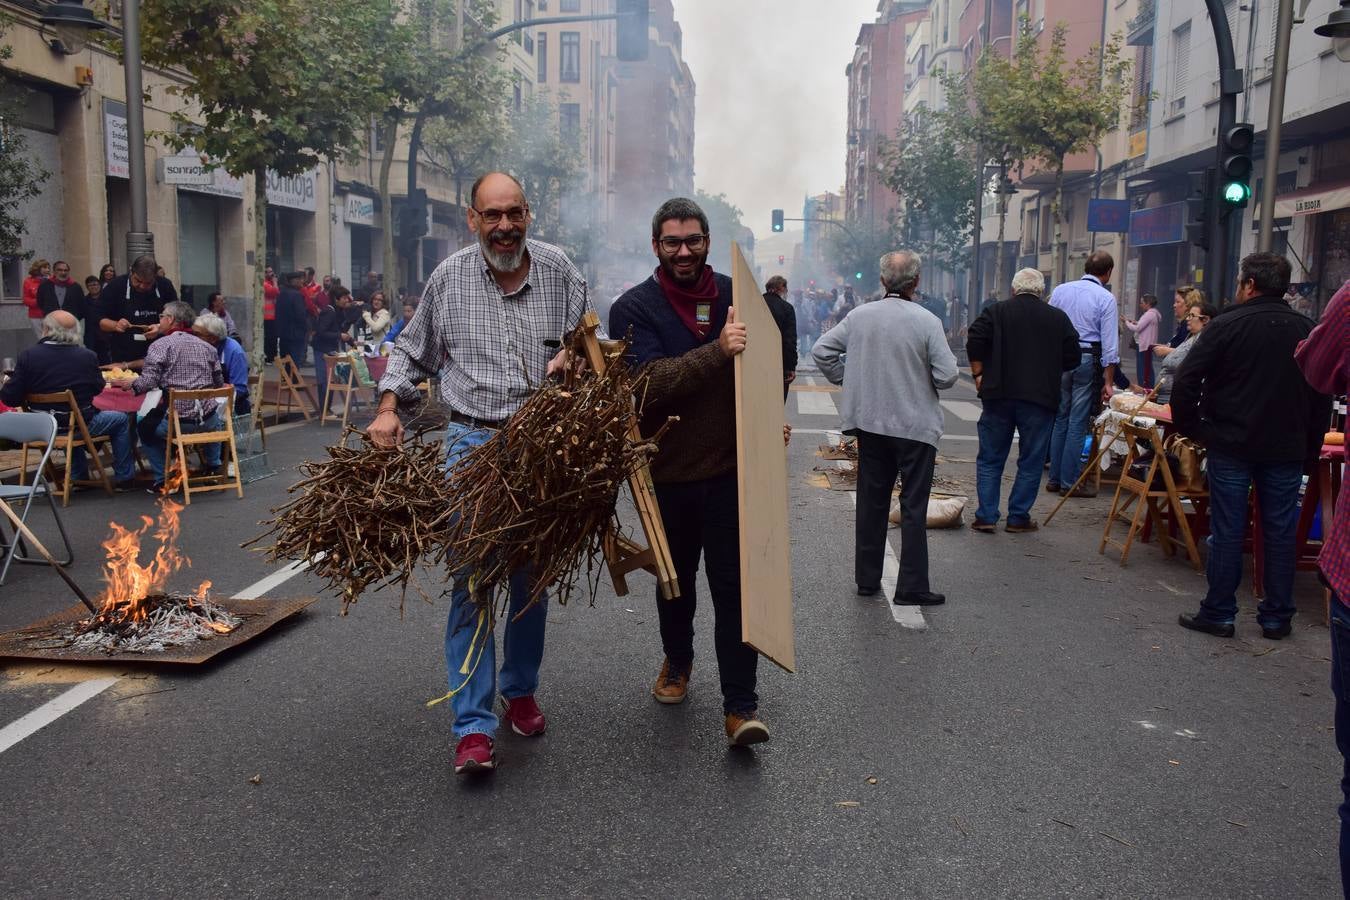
pixel 524 715
pixel 474 754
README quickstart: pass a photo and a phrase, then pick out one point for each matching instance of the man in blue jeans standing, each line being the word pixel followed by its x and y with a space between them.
pixel 1241 395
pixel 1018 350
pixel 487 318
pixel 1092 310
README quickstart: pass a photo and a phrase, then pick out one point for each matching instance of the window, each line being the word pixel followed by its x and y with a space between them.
pixel 541 54
pixel 516 99
pixel 568 6
pixel 569 123
pixel 1181 68
pixel 570 57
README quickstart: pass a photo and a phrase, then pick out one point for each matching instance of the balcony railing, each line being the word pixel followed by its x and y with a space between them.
pixel 1139 30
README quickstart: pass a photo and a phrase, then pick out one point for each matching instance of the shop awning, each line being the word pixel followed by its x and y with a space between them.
pixel 1313 200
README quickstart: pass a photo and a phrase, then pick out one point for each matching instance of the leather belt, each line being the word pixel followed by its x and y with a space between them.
pixel 465 419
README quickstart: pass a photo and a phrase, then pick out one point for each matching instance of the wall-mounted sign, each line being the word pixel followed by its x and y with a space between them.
pixel 1109 215
pixel 184 168
pixel 1164 224
pixel 359 210
pixel 1311 201
pixel 294 192
pixel 115 155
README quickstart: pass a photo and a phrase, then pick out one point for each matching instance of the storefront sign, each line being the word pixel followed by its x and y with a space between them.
pixel 1311 201
pixel 1109 215
pixel 116 157
pixel 185 168
pixel 1138 144
pixel 359 210
pixel 1164 224
pixel 294 192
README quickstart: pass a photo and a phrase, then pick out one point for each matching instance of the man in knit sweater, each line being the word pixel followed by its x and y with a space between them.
pixel 684 335
pixel 898 360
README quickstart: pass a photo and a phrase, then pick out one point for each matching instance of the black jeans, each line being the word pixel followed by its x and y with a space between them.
pixel 270 339
pixel 880 459
pixel 702 518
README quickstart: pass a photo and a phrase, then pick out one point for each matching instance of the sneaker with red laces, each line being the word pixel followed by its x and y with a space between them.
pixel 672 685
pixel 524 715
pixel 473 755
pixel 745 728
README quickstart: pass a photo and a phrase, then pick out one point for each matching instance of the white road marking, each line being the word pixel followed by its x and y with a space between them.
pixel 962 409
pixel 280 576
pixel 52 710
pixel 816 403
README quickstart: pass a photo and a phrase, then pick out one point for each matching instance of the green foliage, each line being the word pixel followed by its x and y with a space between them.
pixel 549 166
pixel 930 167
pixel 857 249
pixel 21 175
pixel 724 225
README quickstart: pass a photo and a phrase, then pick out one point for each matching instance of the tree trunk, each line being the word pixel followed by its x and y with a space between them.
pixel 1057 250
pixel 256 354
pixel 390 261
pixel 998 247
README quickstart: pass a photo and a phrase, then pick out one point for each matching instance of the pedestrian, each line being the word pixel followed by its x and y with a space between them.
pixel 293 322
pixel 60 291
pixel 1019 349
pixel 130 309
pixel 1092 309
pixel 1182 300
pixel 409 307
pixel 367 290
pixel 215 304
pixel 775 295
pixel 684 336
pixel 331 335
pixel 376 319
pixel 107 273
pixel 271 290
pixel 1240 394
pixel 233 361
pixel 486 315
pixel 38 272
pixel 1197 317
pixel 93 334
pixel 1145 337
pixel 897 361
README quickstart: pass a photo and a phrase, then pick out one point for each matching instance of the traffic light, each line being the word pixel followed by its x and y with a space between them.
pixel 1197 208
pixel 777 220
pixel 858 276
pixel 781 259
pixel 1236 171
pixel 632 30
pixel 412 216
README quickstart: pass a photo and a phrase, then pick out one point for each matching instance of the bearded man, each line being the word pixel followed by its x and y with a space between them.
pixel 488 314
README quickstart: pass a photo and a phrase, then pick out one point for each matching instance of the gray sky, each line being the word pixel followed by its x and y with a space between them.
pixel 772 98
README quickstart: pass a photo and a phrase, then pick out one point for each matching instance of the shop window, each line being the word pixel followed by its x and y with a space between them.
pixel 198 250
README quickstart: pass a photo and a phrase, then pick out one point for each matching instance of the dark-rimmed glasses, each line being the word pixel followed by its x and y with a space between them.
pixel 695 242
pixel 516 215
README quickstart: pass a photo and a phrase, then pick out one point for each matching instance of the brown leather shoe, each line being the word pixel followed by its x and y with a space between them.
pixel 744 729
pixel 1021 527
pixel 672 685
pixel 1084 491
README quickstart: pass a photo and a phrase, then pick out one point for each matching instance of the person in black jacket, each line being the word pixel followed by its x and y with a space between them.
pixel 1019 350
pixel 129 308
pixel 775 294
pixel 1240 394
pixel 292 319
pixel 330 336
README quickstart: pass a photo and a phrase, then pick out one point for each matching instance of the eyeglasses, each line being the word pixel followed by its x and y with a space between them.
pixel 515 215
pixel 1196 317
pixel 695 242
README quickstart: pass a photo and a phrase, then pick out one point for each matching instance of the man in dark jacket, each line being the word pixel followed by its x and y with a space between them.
pixel 1241 395
pixel 775 294
pixel 684 336
pixel 129 308
pixel 330 336
pixel 62 292
pixel 292 319
pixel 1019 350
pixel 58 363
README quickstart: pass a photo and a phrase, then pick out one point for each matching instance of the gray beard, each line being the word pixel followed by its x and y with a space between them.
pixel 503 262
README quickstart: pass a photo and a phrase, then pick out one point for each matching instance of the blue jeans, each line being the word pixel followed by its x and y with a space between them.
pixel 1033 424
pixel 1144 366
pixel 118 429
pixel 1340 687
pixel 522 644
pixel 154 450
pixel 1277 485
pixel 1071 423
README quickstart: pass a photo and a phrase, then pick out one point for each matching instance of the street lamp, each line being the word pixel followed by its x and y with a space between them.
pixel 1337 28
pixel 72 24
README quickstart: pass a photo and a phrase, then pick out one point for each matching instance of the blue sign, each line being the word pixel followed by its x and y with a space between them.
pixel 1164 224
pixel 1109 215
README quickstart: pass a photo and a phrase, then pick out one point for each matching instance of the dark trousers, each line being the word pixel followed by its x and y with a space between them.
pixel 1144 366
pixel 1340 687
pixel 702 518
pixel 270 339
pixel 880 459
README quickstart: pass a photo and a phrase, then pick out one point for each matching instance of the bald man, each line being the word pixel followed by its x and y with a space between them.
pixel 482 327
pixel 59 362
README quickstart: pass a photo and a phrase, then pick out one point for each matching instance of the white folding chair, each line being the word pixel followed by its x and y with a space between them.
pixel 34 428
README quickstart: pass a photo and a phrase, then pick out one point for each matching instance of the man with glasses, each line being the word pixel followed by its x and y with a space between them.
pixel 129 310
pixel 685 335
pixel 486 321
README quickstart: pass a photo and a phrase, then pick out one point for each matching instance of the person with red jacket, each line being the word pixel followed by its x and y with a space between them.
pixel 37 273
pixel 310 290
pixel 270 291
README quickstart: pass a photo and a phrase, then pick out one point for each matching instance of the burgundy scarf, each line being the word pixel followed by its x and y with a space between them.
pixel 685 301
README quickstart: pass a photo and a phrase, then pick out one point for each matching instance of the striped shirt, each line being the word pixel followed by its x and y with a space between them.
pixel 182 361
pixel 486 347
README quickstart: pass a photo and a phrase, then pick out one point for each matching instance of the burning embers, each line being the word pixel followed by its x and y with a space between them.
pixel 136 614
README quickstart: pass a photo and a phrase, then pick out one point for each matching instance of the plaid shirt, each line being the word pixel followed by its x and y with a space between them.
pixel 184 362
pixel 1325 363
pixel 487 347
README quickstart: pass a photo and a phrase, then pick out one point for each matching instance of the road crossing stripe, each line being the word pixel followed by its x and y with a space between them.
pixel 964 410
pixel 52 710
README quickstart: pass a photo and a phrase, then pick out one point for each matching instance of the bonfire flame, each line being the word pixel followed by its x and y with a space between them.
pixel 128 584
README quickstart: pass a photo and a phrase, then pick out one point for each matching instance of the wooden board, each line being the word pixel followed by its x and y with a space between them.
pixel 761 466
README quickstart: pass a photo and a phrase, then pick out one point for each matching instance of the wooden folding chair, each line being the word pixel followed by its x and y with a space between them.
pixel 75 434
pixel 1147 499
pixel 292 386
pixel 179 441
pixel 257 385
pixel 347 387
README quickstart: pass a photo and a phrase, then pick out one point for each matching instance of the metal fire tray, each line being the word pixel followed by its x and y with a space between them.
pixel 32 641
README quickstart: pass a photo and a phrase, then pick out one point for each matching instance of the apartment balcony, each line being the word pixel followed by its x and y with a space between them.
pixel 1139 30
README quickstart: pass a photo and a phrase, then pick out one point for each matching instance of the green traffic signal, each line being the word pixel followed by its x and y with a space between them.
pixel 857 275
pixel 1236 193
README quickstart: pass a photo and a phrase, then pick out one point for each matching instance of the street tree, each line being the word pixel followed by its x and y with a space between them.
pixel 550 165
pixel 855 251
pixel 724 226
pixel 272 85
pixel 931 167
pixel 21 174
pixel 1064 108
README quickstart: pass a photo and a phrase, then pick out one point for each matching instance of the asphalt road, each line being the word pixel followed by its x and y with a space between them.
pixel 1050 732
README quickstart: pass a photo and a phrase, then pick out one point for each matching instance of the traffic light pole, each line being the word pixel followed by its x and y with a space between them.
pixel 1230 85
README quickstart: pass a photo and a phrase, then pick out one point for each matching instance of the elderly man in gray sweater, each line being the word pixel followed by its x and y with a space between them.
pixel 897 361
